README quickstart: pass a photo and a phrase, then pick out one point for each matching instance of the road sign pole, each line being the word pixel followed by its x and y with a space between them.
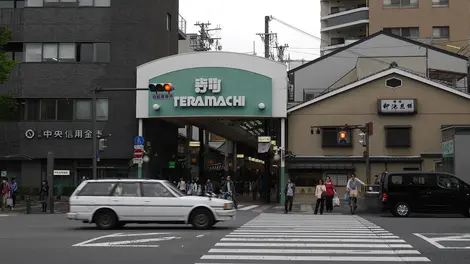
pixel 139 166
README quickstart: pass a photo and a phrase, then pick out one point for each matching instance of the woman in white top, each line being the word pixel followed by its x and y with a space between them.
pixel 320 193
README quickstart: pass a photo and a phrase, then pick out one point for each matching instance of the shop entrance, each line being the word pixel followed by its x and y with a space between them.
pixel 237 97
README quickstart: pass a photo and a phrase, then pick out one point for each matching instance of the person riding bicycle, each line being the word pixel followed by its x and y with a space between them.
pixel 351 187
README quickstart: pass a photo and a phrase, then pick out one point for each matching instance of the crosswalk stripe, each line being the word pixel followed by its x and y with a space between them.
pixel 346 240
pixel 312 245
pixel 312 236
pixel 248 207
pixel 318 258
pixel 326 238
pixel 315 251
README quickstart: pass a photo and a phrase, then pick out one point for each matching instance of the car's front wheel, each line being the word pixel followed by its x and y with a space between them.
pixel 202 219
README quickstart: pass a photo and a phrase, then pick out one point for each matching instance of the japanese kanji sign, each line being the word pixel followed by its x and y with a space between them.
pixel 397 106
pixel 60 134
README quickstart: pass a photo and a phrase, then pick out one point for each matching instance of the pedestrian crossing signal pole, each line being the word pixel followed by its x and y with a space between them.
pixel 367 131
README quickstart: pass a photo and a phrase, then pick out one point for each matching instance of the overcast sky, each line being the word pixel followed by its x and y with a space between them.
pixel 241 20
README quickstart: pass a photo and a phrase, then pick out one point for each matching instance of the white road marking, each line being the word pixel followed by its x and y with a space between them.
pixel 447 238
pixel 312 245
pixel 289 231
pixel 318 258
pixel 311 236
pixel 248 207
pixel 125 243
pixel 344 240
pixel 315 251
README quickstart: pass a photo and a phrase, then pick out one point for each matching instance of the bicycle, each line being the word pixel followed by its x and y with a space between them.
pixel 352 201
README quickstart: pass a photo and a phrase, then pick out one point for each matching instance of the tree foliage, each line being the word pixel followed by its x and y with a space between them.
pixel 8 104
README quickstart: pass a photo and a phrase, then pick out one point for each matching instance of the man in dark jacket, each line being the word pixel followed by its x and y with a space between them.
pixel 229 190
pixel 289 192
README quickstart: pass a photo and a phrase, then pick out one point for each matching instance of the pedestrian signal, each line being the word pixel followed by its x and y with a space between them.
pixel 342 137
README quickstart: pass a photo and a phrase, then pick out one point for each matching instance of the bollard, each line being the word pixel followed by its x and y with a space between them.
pixel 28 205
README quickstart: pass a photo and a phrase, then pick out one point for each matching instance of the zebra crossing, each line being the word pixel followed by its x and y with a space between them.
pixel 272 238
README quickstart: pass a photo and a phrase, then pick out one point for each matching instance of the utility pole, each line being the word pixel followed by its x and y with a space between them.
pixel 205 41
pixel 94 136
pixel 267 37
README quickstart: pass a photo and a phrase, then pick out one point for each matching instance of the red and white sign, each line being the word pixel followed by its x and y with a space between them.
pixel 138 154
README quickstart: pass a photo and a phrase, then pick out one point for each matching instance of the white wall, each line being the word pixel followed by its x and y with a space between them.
pixel 324 73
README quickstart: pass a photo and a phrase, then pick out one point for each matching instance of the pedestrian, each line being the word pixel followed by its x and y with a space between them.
pixel 44 194
pixel 376 180
pixel 254 190
pixel 209 188
pixel 320 194
pixel 5 193
pixel 190 188
pixel 181 186
pixel 14 191
pixel 330 194
pixel 229 190
pixel 289 192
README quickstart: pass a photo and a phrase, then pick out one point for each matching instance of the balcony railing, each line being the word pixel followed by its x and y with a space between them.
pixel 182 24
pixel 345 17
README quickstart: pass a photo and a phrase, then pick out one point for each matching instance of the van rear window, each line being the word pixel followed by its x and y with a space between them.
pixel 396 179
pixel 97 189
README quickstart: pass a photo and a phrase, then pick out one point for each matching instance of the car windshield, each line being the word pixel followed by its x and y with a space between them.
pixel 174 189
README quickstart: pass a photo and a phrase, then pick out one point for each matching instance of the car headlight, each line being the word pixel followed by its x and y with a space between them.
pixel 228 206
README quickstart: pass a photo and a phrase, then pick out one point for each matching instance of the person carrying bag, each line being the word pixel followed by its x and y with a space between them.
pixel 320 193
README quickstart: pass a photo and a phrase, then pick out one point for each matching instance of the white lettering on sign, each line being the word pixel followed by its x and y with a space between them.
pixel 202 86
pixel 61 173
pixel 61 134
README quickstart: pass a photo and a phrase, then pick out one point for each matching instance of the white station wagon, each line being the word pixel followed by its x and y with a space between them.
pixel 113 203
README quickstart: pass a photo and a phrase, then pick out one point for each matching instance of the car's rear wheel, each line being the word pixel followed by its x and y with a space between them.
pixel 401 210
pixel 106 219
pixel 202 219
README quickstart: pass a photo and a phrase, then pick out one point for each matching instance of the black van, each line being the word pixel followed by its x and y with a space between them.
pixel 437 192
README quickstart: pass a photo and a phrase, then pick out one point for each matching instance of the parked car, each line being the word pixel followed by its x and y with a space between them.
pixel 415 191
pixel 113 203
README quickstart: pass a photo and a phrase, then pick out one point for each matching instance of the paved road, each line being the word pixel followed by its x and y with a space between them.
pixel 51 238
pixel 260 234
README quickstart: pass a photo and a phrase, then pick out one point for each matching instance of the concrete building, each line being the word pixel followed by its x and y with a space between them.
pixel 443 23
pixel 66 48
pixel 407 111
pixel 378 51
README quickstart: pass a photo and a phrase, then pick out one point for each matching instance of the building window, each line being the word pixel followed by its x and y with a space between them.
pixel 93 52
pixel 69 3
pixel 83 109
pixel 440 32
pixel 408 32
pixel 33 52
pixel 98 3
pixel 102 109
pixel 338 179
pixel 32 109
pixel 48 109
pixel 400 3
pixel 440 3
pixel 67 52
pixel 398 137
pixel 64 109
pixel 11 3
pixel 330 137
pixel 168 21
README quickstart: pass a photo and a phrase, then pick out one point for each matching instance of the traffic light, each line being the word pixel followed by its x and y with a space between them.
pixel 102 144
pixel 161 87
pixel 362 139
pixel 343 137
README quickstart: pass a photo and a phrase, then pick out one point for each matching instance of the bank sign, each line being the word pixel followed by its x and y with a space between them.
pixel 217 92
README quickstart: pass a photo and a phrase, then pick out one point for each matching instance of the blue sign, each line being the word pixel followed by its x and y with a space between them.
pixel 139 140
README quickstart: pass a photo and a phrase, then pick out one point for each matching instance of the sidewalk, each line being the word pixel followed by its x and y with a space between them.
pixel 20 208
